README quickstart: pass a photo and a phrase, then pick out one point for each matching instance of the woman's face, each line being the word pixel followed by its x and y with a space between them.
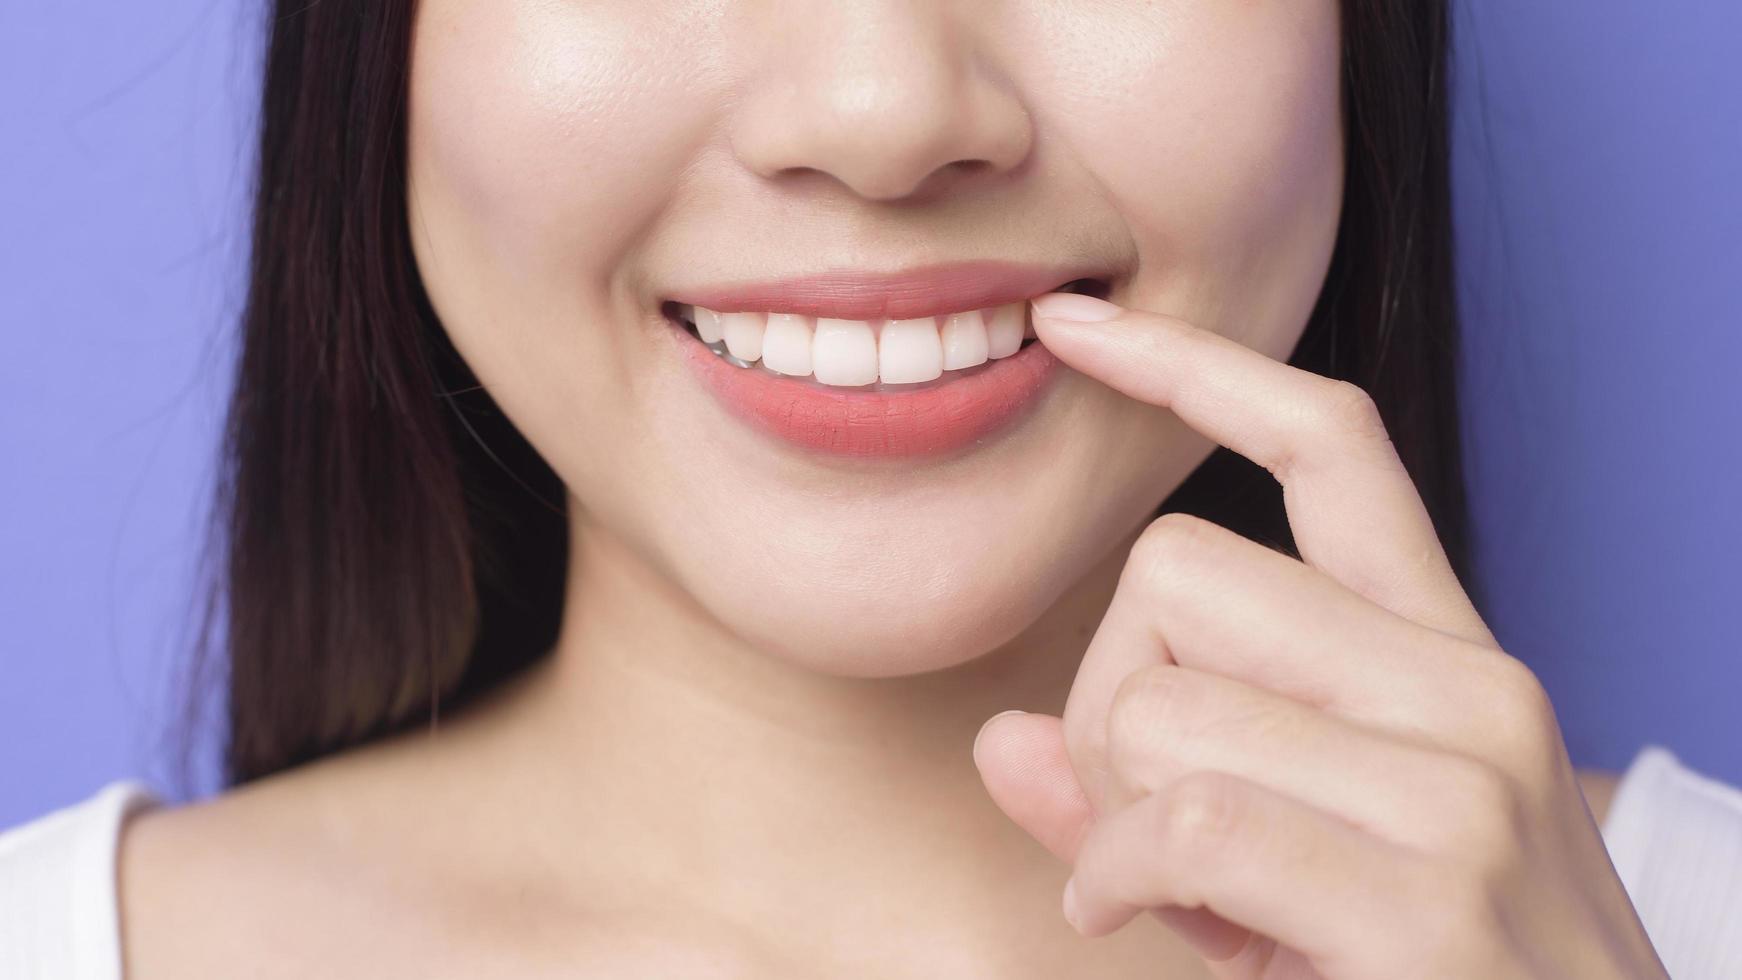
pixel 579 166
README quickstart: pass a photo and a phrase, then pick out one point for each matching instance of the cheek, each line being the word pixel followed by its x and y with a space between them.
pixel 542 137
pixel 518 206
pixel 1219 134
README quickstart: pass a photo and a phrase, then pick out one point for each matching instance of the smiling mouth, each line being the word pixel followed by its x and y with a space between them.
pixel 883 354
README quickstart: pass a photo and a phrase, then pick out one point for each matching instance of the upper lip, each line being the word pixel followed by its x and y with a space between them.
pixel 910 294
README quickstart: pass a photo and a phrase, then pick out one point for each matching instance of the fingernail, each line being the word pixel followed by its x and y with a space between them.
pixel 988 724
pixel 1075 307
pixel 1071 910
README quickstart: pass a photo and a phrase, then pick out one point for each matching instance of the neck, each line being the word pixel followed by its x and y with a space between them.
pixel 725 775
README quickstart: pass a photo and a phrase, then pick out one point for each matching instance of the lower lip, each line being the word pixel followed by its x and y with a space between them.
pixel 960 410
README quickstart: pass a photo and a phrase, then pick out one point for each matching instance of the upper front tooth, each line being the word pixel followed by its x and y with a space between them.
pixel 908 351
pixel 707 325
pixel 1004 328
pixel 786 346
pixel 743 334
pixel 964 340
pixel 855 352
pixel 844 352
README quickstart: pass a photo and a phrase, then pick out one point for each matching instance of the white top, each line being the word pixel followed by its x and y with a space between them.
pixel 1674 835
pixel 58 913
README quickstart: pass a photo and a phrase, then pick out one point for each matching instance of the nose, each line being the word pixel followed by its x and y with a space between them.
pixel 892 98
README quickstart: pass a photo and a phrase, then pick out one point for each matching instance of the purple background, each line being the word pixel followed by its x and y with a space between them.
pixel 1600 143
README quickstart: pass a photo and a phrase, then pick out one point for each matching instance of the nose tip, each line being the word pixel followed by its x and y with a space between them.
pixel 892 103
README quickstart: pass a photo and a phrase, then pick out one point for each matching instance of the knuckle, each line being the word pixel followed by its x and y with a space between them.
pixel 1199 813
pixel 1169 542
pixel 1142 706
pixel 1519 721
pixel 1487 827
pixel 1349 408
pixel 1337 412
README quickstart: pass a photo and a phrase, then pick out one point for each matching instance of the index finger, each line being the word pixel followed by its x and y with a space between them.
pixel 1355 512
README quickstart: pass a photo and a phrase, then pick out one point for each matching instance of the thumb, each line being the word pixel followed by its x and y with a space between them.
pixel 1022 761
pixel 1026 770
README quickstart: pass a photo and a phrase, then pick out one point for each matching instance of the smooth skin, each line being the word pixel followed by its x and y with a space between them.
pixel 748 753
pixel 1323 767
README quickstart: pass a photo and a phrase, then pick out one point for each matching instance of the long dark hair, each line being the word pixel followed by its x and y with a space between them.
pixel 391 544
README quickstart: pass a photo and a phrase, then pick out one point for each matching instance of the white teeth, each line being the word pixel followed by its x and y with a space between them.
pixel 909 352
pixel 743 334
pixel 786 346
pixel 852 353
pixel 844 352
pixel 964 340
pixel 707 324
pixel 1004 328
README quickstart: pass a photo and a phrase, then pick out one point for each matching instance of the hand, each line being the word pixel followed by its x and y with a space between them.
pixel 1320 767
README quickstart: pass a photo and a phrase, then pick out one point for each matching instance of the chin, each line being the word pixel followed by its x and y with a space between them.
pixel 850 589
pixel 941 617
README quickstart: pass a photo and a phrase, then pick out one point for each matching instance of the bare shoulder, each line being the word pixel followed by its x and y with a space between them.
pixel 164 879
pixel 200 884
pixel 318 865
pixel 1598 785
pixel 365 865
